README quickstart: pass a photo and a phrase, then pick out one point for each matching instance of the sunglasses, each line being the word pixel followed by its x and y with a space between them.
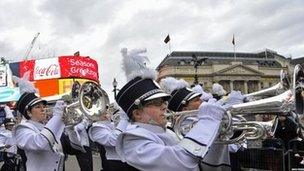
pixel 156 102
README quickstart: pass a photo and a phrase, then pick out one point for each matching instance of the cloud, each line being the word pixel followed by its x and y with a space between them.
pixel 101 28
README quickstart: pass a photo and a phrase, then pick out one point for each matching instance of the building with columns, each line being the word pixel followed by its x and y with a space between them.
pixel 247 72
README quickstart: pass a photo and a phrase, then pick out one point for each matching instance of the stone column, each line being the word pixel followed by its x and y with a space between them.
pixel 231 85
pixel 259 85
pixel 245 87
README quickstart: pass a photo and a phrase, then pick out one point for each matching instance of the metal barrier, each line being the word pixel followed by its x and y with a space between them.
pixel 295 155
pixel 273 156
pixel 261 158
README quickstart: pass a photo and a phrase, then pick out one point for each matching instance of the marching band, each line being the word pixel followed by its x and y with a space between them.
pixel 141 139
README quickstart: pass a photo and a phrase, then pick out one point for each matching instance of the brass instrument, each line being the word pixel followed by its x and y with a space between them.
pixel 279 101
pixel 112 112
pixel 277 89
pixel 298 87
pixel 89 102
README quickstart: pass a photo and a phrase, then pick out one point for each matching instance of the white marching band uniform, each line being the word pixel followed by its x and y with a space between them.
pixel 41 144
pixel 6 138
pixel 105 133
pixel 8 112
pixel 149 147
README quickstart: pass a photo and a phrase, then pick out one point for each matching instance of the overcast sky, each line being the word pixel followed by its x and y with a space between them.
pixel 100 28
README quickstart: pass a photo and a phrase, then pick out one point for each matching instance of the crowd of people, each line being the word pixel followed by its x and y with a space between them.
pixel 141 140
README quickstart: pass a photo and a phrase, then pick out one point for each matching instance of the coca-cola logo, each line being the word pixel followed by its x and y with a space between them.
pixel 50 70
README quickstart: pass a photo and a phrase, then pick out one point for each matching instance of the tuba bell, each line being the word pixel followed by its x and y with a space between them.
pixel 87 101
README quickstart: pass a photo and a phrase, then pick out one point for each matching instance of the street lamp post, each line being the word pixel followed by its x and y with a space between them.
pixel 114 83
pixel 196 62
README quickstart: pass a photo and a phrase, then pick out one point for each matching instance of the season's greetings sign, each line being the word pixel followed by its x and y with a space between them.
pixel 61 67
pixel 80 67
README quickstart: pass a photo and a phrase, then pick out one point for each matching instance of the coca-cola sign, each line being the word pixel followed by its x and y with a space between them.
pixel 61 67
pixel 78 67
pixel 46 69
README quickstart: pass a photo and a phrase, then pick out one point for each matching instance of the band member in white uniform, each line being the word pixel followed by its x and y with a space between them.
pixel 41 142
pixel 146 145
pixel 184 99
pixel 105 133
pixel 8 147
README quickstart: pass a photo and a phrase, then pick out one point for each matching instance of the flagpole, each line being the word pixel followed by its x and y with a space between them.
pixel 233 42
pixel 234 52
pixel 169 47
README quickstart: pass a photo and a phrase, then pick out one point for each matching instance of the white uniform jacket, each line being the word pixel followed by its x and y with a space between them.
pixel 41 144
pixel 105 133
pixel 150 148
pixel 7 139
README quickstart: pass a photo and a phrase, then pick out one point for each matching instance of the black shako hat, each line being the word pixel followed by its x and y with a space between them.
pixel 9 121
pixel 137 91
pixel 28 100
pixel 180 97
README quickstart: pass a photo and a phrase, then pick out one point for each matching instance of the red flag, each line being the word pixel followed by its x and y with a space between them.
pixel 233 40
pixel 167 39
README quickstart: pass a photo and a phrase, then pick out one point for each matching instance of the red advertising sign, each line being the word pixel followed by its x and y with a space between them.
pixel 61 67
pixel 79 67
pixel 46 69
pixel 25 66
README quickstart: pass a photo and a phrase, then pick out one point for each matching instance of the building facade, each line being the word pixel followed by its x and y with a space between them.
pixel 247 72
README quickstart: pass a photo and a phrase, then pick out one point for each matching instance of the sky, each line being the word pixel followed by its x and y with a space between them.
pixel 100 28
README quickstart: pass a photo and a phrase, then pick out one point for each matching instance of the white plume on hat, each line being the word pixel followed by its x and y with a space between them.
pixel 198 89
pixel 218 89
pixel 25 86
pixel 206 96
pixel 134 64
pixel 170 84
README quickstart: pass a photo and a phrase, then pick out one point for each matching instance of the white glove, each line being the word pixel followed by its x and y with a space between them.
pixel 212 108
pixel 79 127
pixel 59 108
pixel 235 97
pixel 123 121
